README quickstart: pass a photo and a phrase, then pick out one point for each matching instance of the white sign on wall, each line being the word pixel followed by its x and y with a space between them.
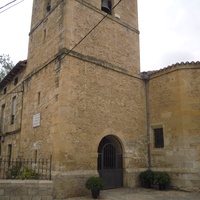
pixel 36 120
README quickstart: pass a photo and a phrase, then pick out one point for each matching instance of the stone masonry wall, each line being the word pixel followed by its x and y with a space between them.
pixel 70 21
pixel 40 96
pixel 88 102
pixel 10 126
pixel 96 102
pixel 174 106
pixel 114 41
pixel 26 190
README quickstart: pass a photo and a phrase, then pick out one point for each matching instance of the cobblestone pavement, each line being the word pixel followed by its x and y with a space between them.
pixel 143 194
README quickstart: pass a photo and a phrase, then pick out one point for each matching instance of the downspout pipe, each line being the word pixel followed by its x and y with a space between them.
pixel 145 77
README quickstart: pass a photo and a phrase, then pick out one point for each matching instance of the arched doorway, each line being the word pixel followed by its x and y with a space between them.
pixel 110 162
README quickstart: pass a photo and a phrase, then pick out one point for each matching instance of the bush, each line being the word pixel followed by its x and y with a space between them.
pixel 147 178
pixel 28 174
pixel 18 172
pixel 94 183
pixel 162 179
pixel 14 172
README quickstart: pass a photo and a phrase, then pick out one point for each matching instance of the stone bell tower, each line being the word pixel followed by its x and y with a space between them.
pixel 82 81
pixel 59 25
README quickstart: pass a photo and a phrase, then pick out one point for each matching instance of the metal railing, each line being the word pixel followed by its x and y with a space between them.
pixel 19 168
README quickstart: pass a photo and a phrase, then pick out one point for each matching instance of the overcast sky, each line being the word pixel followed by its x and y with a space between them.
pixel 169 31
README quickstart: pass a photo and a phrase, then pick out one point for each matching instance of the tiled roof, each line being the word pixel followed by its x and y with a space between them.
pixel 171 67
pixel 14 71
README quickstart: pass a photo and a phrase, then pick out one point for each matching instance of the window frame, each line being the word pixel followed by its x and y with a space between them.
pixel 16 80
pixel 5 90
pixel 13 109
pixel 158 138
pixel 3 108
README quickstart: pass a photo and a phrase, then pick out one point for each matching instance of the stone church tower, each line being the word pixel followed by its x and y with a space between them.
pixel 84 100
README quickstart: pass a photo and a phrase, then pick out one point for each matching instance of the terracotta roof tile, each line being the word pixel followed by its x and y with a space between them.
pixel 171 67
pixel 14 71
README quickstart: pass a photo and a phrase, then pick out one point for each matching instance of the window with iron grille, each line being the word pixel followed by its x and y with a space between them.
pixel 13 109
pixel 158 138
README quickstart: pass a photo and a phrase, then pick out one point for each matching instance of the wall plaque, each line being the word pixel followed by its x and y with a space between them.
pixel 36 120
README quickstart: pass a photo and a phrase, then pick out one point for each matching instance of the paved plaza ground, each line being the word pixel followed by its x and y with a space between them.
pixel 143 194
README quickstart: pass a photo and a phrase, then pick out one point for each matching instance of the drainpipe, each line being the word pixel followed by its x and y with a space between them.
pixel 145 76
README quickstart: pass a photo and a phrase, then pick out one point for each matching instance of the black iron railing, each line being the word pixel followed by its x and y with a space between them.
pixel 19 168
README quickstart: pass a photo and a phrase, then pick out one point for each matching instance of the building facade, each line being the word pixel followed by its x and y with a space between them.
pixel 174 108
pixel 11 111
pixel 82 99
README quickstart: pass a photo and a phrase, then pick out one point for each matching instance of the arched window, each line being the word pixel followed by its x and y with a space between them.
pixel 48 5
pixel 106 6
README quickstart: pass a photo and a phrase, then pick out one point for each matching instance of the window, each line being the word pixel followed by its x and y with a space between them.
pixel 158 138
pixel 44 35
pixel 38 98
pixel 2 117
pixel 14 101
pixel 106 6
pixel 35 156
pixel 4 90
pixel 9 154
pixel 16 80
pixel 48 6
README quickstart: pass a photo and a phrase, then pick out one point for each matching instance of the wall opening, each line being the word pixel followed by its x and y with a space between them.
pixel 110 162
pixel 106 6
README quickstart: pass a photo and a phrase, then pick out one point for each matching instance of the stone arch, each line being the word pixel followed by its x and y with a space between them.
pixel 110 161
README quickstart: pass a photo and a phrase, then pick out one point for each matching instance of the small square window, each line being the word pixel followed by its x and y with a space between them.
pixel 158 138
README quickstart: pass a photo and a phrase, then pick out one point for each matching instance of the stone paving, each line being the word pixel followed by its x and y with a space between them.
pixel 143 194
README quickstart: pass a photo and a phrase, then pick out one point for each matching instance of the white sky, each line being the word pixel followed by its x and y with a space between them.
pixel 14 29
pixel 169 31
